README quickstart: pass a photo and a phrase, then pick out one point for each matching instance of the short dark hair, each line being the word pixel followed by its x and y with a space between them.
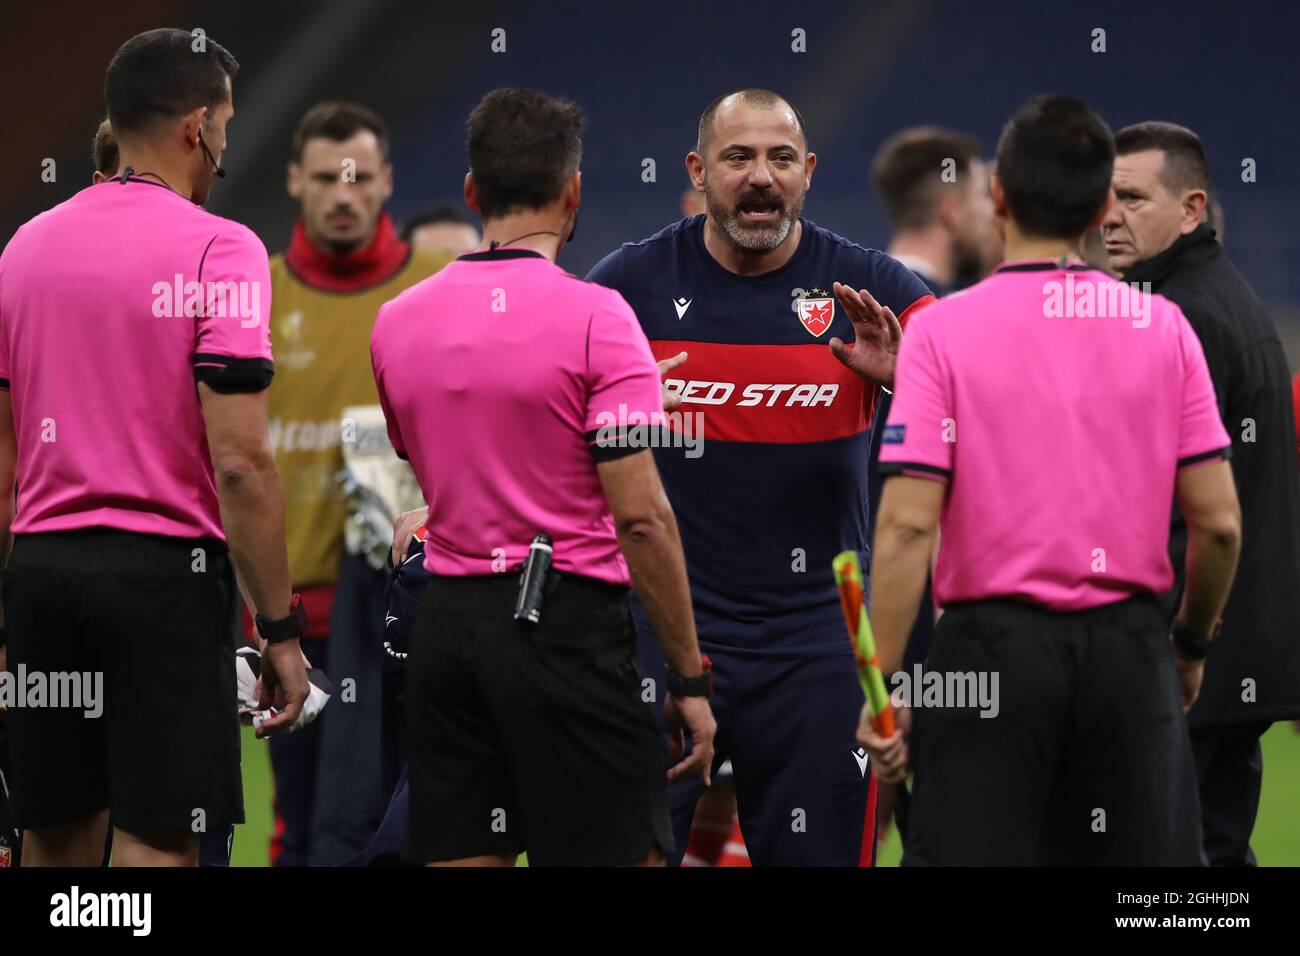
pixel 434 215
pixel 103 149
pixel 338 121
pixel 754 96
pixel 909 167
pixel 1055 160
pixel 522 145
pixel 1185 164
pixel 158 75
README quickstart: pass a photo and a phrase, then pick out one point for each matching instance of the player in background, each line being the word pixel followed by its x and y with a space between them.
pixel 748 291
pixel 444 228
pixel 934 186
pixel 344 260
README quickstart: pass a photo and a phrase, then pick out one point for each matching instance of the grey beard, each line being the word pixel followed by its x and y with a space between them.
pixel 755 240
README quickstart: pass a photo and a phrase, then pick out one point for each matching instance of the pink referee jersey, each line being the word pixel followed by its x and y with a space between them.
pixel 1058 404
pixel 497 376
pixel 111 305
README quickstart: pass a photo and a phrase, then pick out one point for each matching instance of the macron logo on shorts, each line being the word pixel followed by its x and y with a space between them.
pixel 863 758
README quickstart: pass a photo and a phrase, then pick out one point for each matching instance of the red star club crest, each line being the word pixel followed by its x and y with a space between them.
pixel 816 311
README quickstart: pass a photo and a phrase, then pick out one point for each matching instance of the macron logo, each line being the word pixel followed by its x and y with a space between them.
pixel 861 757
pixel 681 305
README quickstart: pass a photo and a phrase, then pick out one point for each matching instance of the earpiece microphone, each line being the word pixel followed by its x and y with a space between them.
pixel 217 167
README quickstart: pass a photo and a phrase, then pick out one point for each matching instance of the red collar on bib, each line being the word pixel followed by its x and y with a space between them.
pixel 377 262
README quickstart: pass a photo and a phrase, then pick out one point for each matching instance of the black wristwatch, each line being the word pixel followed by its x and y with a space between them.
pixel 701 685
pixel 1189 645
pixel 286 628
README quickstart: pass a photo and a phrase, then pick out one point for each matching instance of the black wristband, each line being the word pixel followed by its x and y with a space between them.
pixel 4 635
pixel 1190 646
pixel 701 685
pixel 287 628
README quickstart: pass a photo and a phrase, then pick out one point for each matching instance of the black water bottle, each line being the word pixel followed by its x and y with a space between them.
pixel 532 581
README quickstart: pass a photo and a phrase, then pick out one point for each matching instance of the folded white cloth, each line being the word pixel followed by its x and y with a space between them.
pixel 248 669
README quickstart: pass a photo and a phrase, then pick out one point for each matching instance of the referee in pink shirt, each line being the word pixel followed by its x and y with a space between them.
pixel 515 390
pixel 1046 419
pixel 134 359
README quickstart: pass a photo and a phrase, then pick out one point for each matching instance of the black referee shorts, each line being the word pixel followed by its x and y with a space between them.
pixel 154 618
pixel 528 738
pixel 1087 761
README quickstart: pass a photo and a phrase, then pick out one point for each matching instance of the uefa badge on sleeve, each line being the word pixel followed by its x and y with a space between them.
pixel 816 310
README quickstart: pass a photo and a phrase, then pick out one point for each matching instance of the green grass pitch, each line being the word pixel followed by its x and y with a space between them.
pixel 1276 840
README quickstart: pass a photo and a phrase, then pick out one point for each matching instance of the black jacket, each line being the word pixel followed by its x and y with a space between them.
pixel 1260 644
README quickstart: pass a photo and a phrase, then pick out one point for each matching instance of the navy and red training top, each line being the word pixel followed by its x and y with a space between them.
pixel 778 485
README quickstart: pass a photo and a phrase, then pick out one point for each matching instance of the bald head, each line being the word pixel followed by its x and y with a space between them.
pixel 753 165
pixel 728 108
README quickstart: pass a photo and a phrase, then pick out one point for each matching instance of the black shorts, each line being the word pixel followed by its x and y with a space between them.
pixel 154 618
pixel 1087 761
pixel 536 739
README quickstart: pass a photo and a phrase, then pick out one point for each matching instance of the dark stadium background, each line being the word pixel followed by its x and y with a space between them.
pixel 644 71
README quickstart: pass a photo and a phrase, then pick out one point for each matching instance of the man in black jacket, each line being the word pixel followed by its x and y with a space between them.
pixel 1154 234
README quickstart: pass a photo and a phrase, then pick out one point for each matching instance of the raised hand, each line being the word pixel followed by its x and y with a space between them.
pixel 876 334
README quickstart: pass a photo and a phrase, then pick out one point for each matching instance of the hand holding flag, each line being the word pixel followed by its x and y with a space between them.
pixel 877 732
